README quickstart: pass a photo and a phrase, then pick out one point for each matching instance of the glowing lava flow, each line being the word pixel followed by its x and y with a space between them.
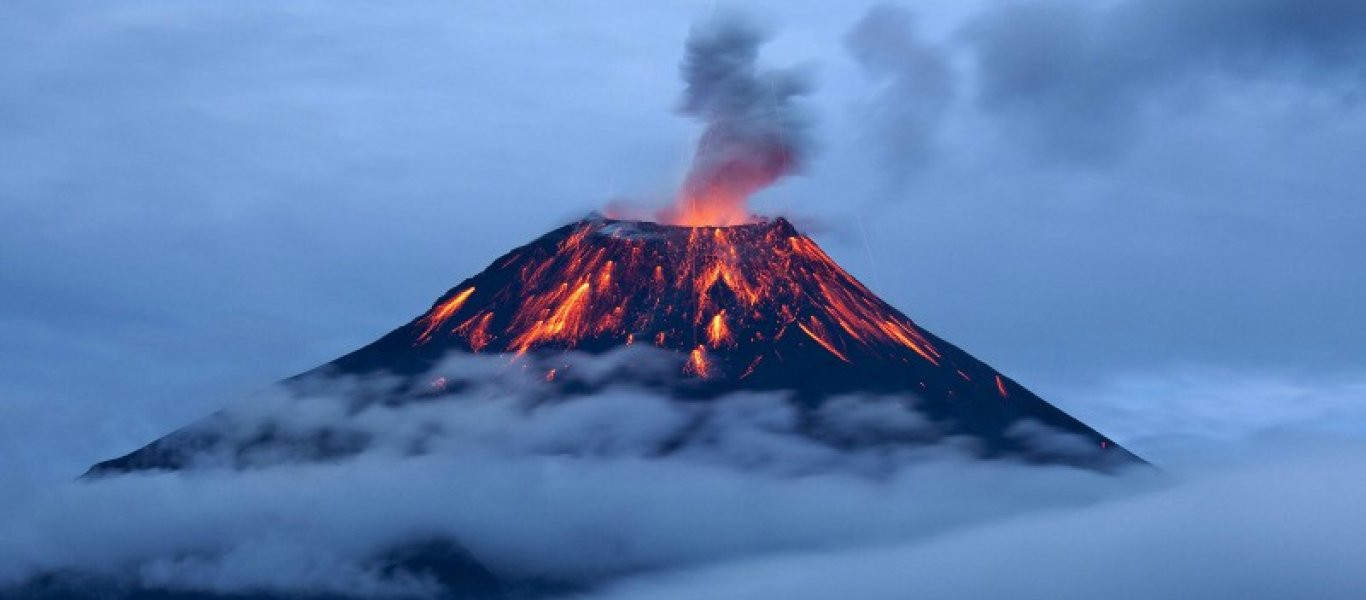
pixel 442 312
pixel 697 363
pixel 727 297
pixel 717 333
pixel 557 316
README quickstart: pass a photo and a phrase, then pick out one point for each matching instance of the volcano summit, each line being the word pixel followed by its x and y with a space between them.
pixel 746 308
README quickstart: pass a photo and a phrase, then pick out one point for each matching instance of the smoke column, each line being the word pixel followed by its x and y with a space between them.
pixel 755 131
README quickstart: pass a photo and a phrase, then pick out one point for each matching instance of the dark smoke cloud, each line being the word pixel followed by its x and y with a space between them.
pixel 917 86
pixel 755 130
pixel 1076 80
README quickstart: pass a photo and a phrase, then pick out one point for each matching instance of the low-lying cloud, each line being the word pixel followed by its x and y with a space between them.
pixel 621 493
pixel 1288 527
pixel 579 491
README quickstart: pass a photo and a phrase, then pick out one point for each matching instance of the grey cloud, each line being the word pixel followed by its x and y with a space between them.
pixel 516 477
pixel 918 86
pixel 488 405
pixel 1167 415
pixel 1281 528
pixel 1077 79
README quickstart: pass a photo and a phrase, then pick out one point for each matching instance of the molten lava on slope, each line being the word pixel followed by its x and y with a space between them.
pixel 734 289
pixel 745 308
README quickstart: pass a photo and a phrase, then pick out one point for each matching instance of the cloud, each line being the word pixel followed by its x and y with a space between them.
pixel 1172 414
pixel 1076 79
pixel 741 495
pixel 918 86
pixel 626 479
pixel 1279 528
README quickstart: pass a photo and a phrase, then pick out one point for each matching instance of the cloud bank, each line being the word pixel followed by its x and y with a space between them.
pixel 1285 528
pixel 307 493
pixel 622 493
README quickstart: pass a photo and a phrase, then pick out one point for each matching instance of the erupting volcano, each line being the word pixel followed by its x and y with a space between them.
pixel 755 307
pixel 744 303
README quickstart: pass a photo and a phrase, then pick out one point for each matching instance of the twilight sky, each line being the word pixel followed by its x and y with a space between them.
pixel 1150 212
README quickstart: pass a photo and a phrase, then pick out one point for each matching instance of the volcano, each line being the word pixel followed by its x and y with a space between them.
pixel 752 307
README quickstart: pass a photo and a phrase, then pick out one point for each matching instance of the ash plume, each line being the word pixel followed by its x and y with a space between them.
pixel 756 132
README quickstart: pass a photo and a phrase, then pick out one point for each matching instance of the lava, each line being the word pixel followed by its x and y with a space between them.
pixel 817 333
pixel 740 292
pixel 558 315
pixel 476 330
pixel 442 312
pixel 697 363
pixel 717 333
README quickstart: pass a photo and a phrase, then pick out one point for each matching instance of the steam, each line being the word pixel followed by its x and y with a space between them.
pixel 756 133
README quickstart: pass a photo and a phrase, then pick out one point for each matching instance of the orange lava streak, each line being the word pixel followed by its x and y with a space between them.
pixel 564 323
pixel 476 330
pixel 853 307
pixel 900 333
pixel 1001 387
pixel 717 332
pixel 820 339
pixel 435 318
pixel 605 279
pixel 697 363
pixel 750 369
pixel 710 287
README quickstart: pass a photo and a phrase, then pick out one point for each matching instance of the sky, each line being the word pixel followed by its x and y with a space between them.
pixel 1150 213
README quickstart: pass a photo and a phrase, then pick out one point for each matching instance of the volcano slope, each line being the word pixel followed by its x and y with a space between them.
pixel 748 308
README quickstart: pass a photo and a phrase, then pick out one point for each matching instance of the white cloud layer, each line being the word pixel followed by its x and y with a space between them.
pixel 535 487
pixel 1282 527
pixel 742 506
